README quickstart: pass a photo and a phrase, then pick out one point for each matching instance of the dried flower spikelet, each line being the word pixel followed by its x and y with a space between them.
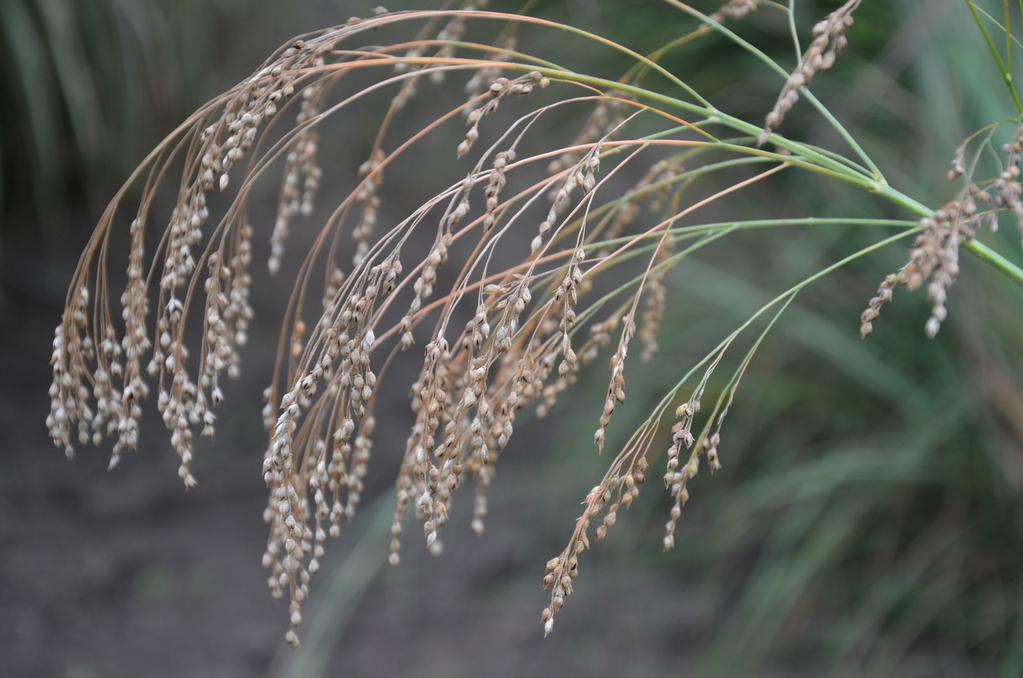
pixel 471 437
pixel 656 301
pixel 457 209
pixel 186 404
pixel 302 174
pixel 619 490
pixel 367 196
pixel 135 343
pixel 735 9
pixel 677 474
pixel 554 339
pixel 333 288
pixel 607 115
pixel 654 304
pixel 574 361
pixel 713 460
pixel 69 395
pixel 562 570
pixel 1007 186
pixel 482 77
pixel 295 470
pixel 499 88
pixel 452 32
pixel 616 387
pixel 581 175
pixel 933 259
pixel 423 286
pixel 496 182
pixel 418 473
pixel 957 167
pixel 829 41
pixel 885 292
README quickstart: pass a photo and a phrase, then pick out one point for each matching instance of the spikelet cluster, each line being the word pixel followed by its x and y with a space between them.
pixel 735 9
pixel 828 42
pixel 498 90
pixel 99 379
pixel 1007 187
pixel 619 490
pixel 933 259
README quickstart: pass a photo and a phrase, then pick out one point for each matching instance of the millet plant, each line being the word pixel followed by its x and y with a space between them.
pixel 496 337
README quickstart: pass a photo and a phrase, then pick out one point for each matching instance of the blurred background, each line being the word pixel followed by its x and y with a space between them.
pixel 869 516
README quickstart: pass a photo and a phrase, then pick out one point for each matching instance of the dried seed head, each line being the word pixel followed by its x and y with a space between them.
pixel 1007 187
pixel 829 40
pixel 934 259
pixel 735 9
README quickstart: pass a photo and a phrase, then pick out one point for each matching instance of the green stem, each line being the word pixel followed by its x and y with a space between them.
pixel 823 163
pixel 1006 75
pixel 831 168
pixel 771 63
pixel 996 260
pixel 806 157
pixel 1009 37
pixel 835 170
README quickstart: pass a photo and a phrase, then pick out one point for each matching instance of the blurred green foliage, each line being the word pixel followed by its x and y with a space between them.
pixel 88 86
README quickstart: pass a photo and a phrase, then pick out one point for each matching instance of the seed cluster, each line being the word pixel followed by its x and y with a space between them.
pixel 934 259
pixel 326 465
pixel 735 9
pixel 499 88
pixel 677 475
pixel 607 115
pixel 655 303
pixel 302 174
pixel 100 387
pixel 619 490
pixel 828 42
pixel 1007 186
